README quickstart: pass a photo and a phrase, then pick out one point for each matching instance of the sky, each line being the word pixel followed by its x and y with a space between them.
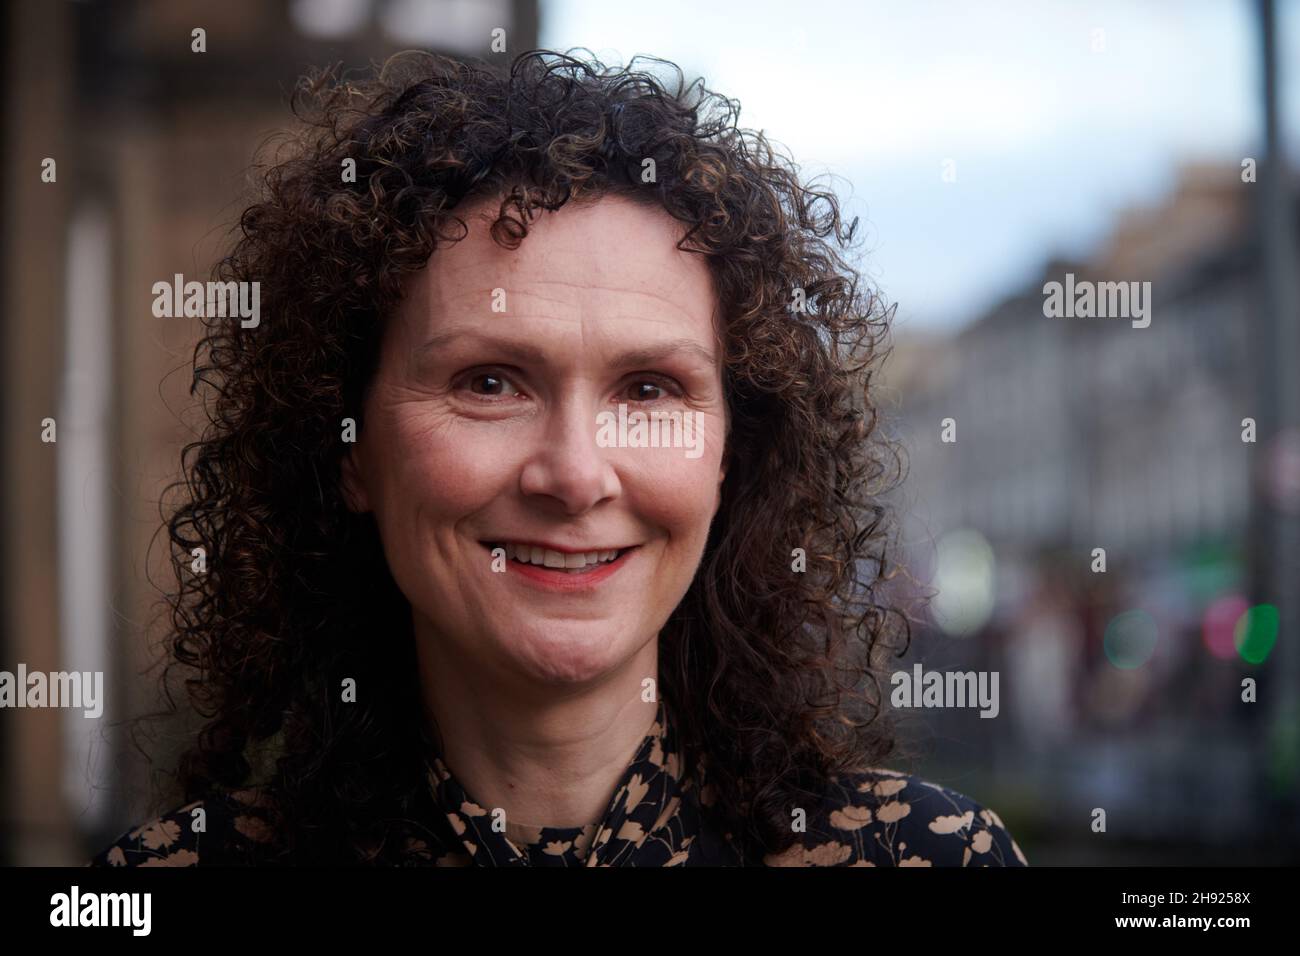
pixel 1049 138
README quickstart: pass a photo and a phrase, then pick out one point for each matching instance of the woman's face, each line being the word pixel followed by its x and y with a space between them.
pixel 484 440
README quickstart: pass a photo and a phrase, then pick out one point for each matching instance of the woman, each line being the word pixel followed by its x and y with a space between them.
pixel 541 508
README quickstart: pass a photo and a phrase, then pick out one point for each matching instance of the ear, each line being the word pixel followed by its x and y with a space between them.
pixel 354 488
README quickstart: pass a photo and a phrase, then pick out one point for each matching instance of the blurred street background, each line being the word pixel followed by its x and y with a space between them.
pixel 988 149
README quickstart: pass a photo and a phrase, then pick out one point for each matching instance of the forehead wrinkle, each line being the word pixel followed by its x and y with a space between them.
pixel 685 311
pixel 522 348
pixel 445 306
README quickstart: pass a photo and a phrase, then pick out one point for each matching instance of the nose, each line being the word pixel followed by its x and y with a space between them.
pixel 568 466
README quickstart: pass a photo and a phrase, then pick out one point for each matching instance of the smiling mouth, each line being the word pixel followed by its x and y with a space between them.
pixel 578 562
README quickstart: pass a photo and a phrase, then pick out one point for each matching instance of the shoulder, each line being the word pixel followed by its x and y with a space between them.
pixel 221 828
pixel 878 817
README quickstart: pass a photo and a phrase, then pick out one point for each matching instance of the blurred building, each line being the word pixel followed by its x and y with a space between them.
pixel 152 141
pixel 1075 430
pixel 1081 433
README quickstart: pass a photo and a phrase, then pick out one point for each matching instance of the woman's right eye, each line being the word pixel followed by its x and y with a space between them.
pixel 490 384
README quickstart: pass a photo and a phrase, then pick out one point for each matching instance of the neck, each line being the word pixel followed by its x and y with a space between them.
pixel 548 756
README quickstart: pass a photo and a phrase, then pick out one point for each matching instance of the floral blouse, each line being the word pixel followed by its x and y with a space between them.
pixel 874 817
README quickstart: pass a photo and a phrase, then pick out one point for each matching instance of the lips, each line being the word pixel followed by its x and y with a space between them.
pixel 543 557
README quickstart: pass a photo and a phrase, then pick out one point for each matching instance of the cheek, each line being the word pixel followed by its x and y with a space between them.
pixel 444 470
pixel 673 492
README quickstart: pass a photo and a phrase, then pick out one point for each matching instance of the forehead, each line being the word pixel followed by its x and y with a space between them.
pixel 612 258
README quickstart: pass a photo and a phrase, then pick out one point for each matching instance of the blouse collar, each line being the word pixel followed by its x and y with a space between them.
pixel 653 818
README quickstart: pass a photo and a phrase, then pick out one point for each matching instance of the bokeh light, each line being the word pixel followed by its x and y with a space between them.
pixel 1131 639
pixel 1256 633
pixel 1218 626
pixel 964 577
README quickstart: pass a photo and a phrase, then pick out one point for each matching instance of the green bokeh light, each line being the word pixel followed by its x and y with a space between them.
pixel 1256 633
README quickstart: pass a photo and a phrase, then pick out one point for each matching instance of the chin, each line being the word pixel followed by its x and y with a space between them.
pixel 568 652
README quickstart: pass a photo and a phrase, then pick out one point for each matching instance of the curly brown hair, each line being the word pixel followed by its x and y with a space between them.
pixel 773 673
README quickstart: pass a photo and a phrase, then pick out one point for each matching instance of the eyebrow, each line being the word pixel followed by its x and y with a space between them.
pixel 523 352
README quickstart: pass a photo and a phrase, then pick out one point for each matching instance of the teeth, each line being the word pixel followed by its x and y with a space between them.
pixel 555 559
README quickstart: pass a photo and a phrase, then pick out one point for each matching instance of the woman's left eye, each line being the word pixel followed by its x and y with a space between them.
pixel 490 385
pixel 646 390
